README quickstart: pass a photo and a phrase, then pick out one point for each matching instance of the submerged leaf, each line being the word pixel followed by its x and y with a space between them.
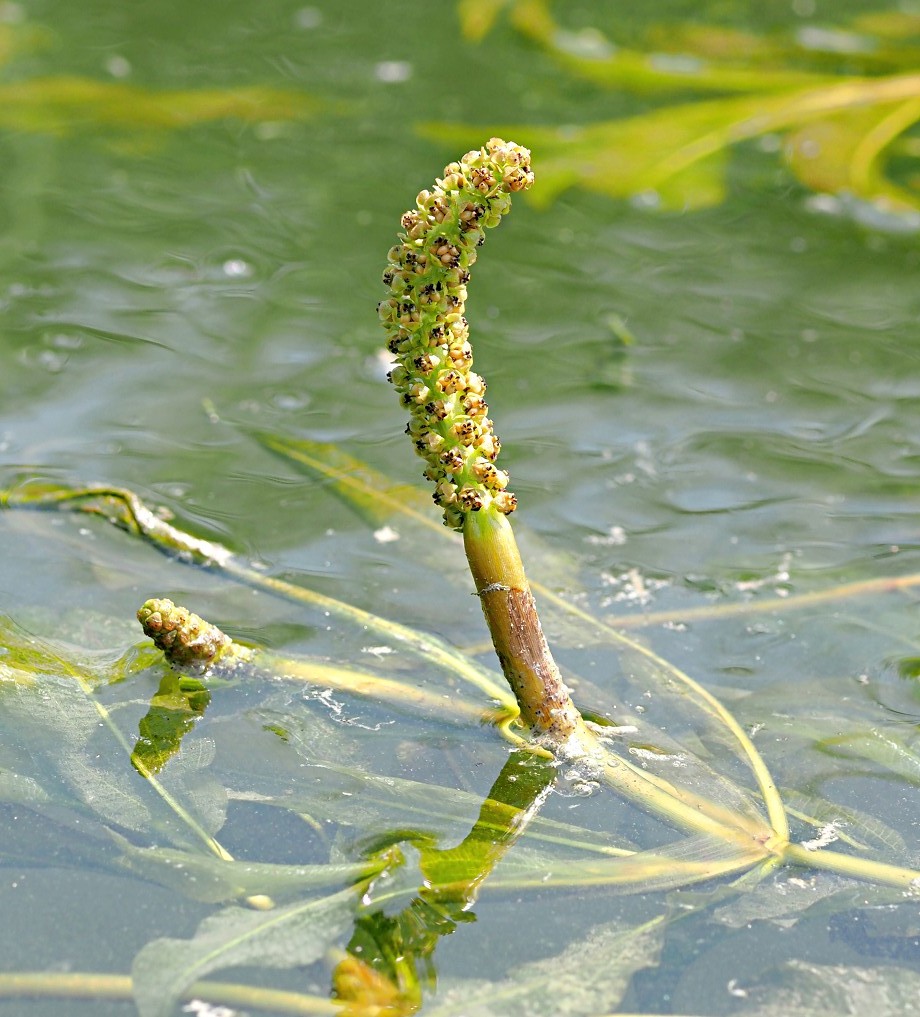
pixel 55 720
pixel 16 787
pixel 591 55
pixel 695 788
pixel 889 748
pixel 590 976
pixel 333 790
pixel 478 16
pixel 673 157
pixel 842 126
pixel 20 38
pixel 846 153
pixel 689 56
pixel 790 896
pixel 404 508
pixel 367 491
pixel 890 24
pixel 852 823
pixel 289 937
pixel 59 732
pixel 691 860
pixel 801 989
pixel 63 105
pixel 215 880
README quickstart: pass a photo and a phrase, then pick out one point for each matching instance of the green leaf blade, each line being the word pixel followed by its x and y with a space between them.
pixel 292 936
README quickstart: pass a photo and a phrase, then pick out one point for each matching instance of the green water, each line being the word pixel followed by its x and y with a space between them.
pixel 167 290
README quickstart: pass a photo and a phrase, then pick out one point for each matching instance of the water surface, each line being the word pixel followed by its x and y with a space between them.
pixel 168 288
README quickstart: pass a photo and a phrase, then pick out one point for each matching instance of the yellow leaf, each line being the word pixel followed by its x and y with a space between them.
pixel 889 24
pixel 477 17
pixel 62 105
pixel 845 153
pixel 590 55
pixel 673 157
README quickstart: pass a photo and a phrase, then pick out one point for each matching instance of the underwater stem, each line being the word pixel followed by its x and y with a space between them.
pixel 849 865
pixel 91 985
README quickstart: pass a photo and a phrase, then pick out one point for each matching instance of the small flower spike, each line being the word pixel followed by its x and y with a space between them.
pixel 187 641
pixel 427 274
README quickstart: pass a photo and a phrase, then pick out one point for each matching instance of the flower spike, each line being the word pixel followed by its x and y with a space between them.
pixel 427 275
pixel 188 642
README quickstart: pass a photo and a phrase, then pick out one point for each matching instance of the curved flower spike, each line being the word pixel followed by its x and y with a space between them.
pixel 429 337
pixel 427 275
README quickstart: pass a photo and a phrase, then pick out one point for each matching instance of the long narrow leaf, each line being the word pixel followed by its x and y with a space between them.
pixel 590 976
pixel 288 937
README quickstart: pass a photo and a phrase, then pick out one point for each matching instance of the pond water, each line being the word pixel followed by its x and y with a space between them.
pixel 706 413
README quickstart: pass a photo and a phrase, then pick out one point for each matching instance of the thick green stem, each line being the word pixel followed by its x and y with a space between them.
pixel 517 635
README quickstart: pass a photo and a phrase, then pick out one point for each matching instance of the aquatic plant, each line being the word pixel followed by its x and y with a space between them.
pixel 428 334
pixel 398 886
pixel 840 106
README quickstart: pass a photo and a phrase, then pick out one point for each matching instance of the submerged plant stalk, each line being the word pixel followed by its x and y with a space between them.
pixel 427 275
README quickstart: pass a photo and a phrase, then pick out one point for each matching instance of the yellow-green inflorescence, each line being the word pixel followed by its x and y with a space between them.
pixel 427 275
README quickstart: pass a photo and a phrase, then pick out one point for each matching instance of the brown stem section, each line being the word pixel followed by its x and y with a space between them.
pixel 517 635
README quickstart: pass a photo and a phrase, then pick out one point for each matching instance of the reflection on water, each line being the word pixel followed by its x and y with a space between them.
pixel 173 711
pixel 391 958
